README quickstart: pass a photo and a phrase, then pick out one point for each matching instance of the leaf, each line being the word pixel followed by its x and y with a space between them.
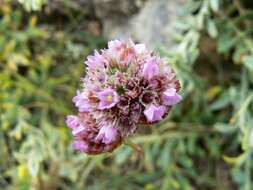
pixel 239 53
pixel 211 29
pixel 247 139
pixel 239 175
pixel 251 138
pixel 239 160
pixel 22 171
pixel 200 21
pixel 33 167
pixel 164 159
pixel 226 41
pixel 221 102
pixel 32 5
pixel 175 184
pixel 248 62
pixel 213 91
pixel 186 161
pixel 214 4
pixel 69 172
pixel 123 155
pixel 225 128
pixel 150 176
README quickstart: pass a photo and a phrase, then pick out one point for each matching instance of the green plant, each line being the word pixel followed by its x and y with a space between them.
pixel 206 142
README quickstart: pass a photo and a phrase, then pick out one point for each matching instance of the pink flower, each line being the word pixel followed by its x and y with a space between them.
pixel 90 139
pixel 140 48
pixel 108 98
pixel 115 45
pixel 125 86
pixel 75 124
pixel 80 145
pixel 79 131
pixel 95 60
pixel 72 121
pixel 170 97
pixel 150 69
pixel 127 56
pixel 81 102
pixel 107 134
pixel 154 113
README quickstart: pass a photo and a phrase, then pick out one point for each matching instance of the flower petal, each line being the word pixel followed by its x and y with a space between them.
pixel 150 69
pixel 107 134
pixel 95 60
pixel 108 98
pixel 154 113
pixel 140 48
pixel 80 145
pixel 81 102
pixel 72 121
pixel 170 97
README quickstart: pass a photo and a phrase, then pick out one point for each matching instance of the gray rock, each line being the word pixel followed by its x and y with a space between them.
pixel 147 21
pixel 117 9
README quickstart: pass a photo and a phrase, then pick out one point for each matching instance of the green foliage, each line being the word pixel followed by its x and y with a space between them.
pixel 206 143
pixel 32 4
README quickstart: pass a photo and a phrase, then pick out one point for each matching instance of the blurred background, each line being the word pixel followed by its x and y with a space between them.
pixel 205 143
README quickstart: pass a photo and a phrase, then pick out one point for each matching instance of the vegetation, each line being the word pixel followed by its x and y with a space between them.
pixel 207 141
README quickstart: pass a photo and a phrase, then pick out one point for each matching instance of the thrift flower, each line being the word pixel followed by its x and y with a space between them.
pixel 125 86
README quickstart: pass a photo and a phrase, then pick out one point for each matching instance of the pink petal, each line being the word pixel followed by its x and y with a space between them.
pixel 72 121
pixel 150 69
pixel 140 48
pixel 104 102
pixel 81 102
pixel 170 97
pixel 107 134
pixel 115 45
pixel 95 60
pixel 80 145
pixel 154 113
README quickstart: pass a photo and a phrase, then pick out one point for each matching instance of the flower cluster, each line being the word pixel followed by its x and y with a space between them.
pixel 125 86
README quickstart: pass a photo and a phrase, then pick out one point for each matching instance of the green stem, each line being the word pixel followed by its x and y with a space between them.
pixel 136 147
pixel 248 174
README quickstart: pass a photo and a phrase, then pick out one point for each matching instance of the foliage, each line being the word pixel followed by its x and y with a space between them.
pixel 32 4
pixel 206 142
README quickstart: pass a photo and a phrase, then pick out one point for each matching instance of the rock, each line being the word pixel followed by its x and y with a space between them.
pixel 147 21
pixel 117 9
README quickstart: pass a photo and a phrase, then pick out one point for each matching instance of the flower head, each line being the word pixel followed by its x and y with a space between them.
pixel 125 86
